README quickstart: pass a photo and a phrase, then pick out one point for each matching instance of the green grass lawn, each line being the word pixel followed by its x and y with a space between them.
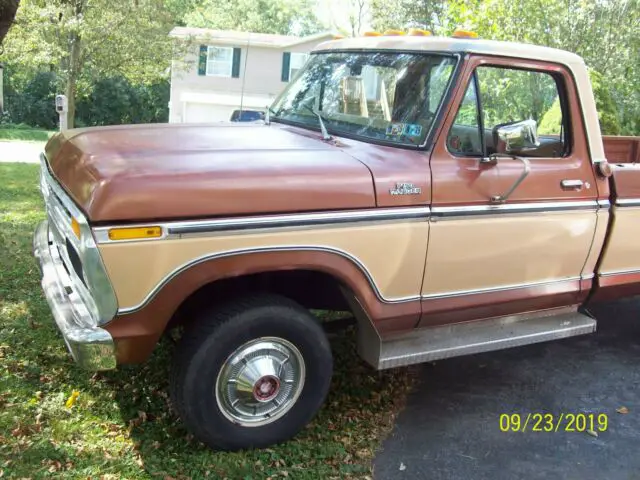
pixel 24 134
pixel 121 425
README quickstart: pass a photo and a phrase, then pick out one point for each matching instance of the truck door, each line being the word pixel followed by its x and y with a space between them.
pixel 509 234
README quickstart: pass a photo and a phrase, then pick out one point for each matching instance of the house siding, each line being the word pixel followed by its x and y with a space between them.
pixel 260 77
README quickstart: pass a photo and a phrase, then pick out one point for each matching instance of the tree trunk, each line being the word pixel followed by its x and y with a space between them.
pixel 8 9
pixel 72 79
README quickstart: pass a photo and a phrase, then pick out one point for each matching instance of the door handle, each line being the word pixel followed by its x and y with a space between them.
pixel 572 184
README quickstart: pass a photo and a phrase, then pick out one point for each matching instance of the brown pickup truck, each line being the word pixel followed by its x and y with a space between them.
pixel 454 194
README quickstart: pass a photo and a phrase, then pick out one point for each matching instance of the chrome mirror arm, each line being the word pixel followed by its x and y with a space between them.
pixel 493 159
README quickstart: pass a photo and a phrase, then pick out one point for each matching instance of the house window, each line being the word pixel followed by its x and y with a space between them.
pixel 296 63
pixel 219 61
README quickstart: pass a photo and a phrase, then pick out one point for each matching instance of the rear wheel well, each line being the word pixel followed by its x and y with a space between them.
pixel 312 289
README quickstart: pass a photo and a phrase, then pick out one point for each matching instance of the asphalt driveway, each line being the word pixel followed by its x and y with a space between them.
pixel 450 427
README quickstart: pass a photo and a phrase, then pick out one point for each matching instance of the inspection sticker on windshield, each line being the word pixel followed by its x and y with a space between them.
pixel 412 130
pixel 395 129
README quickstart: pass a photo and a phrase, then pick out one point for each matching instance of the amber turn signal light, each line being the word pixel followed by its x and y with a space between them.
pixel 75 226
pixel 135 233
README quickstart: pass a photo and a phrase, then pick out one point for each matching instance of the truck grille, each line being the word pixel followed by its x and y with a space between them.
pixel 65 241
pixel 74 258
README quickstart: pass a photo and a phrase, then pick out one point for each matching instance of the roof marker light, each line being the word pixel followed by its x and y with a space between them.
pixel 393 33
pixel 372 34
pixel 417 32
pixel 464 34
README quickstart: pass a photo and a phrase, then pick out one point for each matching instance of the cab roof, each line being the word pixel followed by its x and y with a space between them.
pixel 453 45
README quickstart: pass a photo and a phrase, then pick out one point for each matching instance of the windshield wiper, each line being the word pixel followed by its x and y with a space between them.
pixel 323 128
pixel 267 117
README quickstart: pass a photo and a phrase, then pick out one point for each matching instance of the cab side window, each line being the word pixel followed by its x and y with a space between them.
pixel 464 137
pixel 506 96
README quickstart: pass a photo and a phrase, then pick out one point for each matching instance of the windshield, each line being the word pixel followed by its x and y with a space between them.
pixel 390 97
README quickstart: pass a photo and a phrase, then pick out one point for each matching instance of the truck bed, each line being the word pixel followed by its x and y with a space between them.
pixel 621 149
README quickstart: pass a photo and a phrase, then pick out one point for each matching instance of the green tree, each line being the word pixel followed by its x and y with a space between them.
pixel 285 17
pixel 605 33
pixel 432 15
pixel 8 10
pixel 84 39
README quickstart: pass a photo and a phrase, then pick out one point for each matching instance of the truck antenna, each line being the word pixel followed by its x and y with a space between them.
pixel 244 76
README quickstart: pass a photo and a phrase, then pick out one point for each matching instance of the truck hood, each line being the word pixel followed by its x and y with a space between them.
pixel 147 172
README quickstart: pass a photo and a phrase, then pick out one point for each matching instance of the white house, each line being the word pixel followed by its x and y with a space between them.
pixel 219 72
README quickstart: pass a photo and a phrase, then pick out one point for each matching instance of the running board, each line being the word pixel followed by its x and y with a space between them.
pixel 434 343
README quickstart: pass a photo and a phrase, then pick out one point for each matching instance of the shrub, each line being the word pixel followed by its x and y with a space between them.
pixel 35 104
pixel 115 101
pixel 107 101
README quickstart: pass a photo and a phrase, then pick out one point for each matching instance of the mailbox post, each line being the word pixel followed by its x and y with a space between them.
pixel 61 108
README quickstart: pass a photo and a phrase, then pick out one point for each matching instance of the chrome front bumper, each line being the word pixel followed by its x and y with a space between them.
pixel 91 347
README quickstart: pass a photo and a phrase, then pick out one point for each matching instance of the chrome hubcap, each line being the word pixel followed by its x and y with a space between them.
pixel 260 381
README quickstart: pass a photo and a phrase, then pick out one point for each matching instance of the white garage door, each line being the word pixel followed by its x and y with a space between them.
pixel 206 112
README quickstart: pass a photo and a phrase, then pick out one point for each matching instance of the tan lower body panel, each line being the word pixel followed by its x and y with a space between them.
pixel 621 254
pixel 619 270
pixel 475 254
pixel 393 254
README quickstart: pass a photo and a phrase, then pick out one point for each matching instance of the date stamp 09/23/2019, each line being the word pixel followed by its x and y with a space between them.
pixel 548 422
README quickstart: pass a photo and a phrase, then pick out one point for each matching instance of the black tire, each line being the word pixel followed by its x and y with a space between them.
pixel 208 343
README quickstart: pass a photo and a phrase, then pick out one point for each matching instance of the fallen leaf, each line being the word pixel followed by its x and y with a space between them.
pixel 593 433
pixel 72 399
pixel 622 410
pixel 402 467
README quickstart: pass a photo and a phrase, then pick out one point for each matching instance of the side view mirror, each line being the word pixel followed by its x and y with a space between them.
pixel 516 136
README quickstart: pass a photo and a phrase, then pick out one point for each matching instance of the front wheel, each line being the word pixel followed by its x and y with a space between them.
pixel 251 373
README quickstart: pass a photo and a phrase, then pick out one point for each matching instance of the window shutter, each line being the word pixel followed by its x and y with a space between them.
pixel 286 62
pixel 202 60
pixel 235 68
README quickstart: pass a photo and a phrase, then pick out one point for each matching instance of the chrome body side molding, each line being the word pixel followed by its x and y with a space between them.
pixel 619 272
pixel 514 208
pixel 628 202
pixel 501 288
pixel 182 229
